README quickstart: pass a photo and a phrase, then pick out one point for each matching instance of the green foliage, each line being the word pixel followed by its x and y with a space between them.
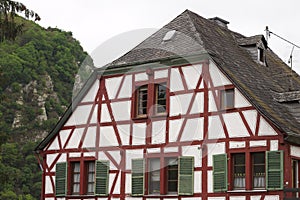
pixel 39 64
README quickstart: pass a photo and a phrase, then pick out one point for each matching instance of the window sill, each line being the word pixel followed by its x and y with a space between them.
pixel 243 191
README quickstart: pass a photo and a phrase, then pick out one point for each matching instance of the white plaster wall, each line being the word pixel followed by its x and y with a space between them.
pixel 237 144
pixel 141 76
pixel 179 104
pixel 265 128
pixel 90 96
pixel 158 132
pixel 133 198
pixel 89 154
pixel 237 198
pixel 128 183
pixel 193 130
pixel 190 198
pixel 121 110
pixel 209 181
pixel 48 185
pixel 258 143
pixel 295 151
pixel 174 128
pixel 239 100
pixel 195 151
pixel 53 198
pixel 95 115
pixel 198 105
pixel 212 106
pixel 160 74
pixel 216 198
pixel 250 116
pixel 112 85
pixel 170 149
pixel 64 134
pixel 117 157
pixel 153 150
pixel 215 128
pixel 273 145
pixel 175 80
pixel 105 116
pixel 54 145
pixel 126 87
pixel 235 125
pixel 217 77
pixel 90 138
pixel 255 197
pixel 272 197
pixel 197 182
pixel 75 155
pixel 108 137
pixel 79 116
pixel 124 132
pixel 139 133
pixel 213 149
pixel 111 180
pixel 192 75
pixel 75 138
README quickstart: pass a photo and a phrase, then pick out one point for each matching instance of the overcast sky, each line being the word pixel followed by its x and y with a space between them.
pixel 99 23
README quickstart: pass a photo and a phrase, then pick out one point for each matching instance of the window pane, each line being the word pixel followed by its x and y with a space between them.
pixel 77 167
pixel 161 96
pixel 91 188
pixel 227 99
pixel 142 96
pixel 258 162
pixel 154 176
pixel 239 176
pixel 76 188
pixel 172 174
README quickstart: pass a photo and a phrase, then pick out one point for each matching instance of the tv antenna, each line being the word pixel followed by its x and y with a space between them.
pixel 290 61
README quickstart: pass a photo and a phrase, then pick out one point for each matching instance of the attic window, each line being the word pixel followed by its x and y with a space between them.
pixel 260 55
pixel 169 35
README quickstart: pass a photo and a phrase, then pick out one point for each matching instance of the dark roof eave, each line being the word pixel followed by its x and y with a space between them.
pixel 111 69
pixel 292 138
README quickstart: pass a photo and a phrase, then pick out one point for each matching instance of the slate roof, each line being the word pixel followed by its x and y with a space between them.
pixel 272 88
pixel 258 83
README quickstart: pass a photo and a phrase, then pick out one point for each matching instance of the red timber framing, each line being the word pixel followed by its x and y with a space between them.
pixel 102 98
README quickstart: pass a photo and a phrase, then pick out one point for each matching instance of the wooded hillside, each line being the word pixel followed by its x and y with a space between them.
pixel 37 73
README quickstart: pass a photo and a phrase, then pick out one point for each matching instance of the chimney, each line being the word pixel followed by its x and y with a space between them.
pixel 219 21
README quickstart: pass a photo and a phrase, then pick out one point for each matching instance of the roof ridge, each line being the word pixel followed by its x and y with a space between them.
pixel 193 27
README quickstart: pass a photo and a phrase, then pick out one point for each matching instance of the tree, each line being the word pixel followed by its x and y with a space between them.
pixel 9 29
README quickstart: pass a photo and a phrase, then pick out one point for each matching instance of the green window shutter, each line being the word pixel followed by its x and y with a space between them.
pixel 186 175
pixel 137 177
pixel 220 172
pixel 61 179
pixel 274 169
pixel 102 177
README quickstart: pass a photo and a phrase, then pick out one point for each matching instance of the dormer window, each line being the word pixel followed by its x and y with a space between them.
pixel 260 53
pixel 227 99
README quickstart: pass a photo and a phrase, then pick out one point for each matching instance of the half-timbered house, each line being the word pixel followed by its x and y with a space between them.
pixel 195 111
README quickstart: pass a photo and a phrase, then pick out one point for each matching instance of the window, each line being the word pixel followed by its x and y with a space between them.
pixel 170 172
pixel 260 55
pixel 239 171
pixel 227 99
pixel 177 176
pixel 94 174
pixel 75 185
pixel 266 169
pixel 142 99
pixel 156 100
pixel 160 98
pixel 90 177
pixel 258 167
